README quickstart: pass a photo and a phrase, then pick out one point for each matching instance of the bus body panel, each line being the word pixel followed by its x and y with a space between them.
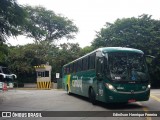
pixel 130 93
pixel 79 84
pixel 80 81
pixel 113 97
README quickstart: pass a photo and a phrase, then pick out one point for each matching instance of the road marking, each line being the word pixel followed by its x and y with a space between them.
pixel 155 98
pixel 156 93
pixel 145 109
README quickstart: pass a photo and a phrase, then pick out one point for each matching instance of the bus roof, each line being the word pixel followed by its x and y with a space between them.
pixel 109 50
pixel 119 49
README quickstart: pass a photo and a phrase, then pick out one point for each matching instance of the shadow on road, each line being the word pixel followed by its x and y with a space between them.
pixel 120 106
pixel 112 106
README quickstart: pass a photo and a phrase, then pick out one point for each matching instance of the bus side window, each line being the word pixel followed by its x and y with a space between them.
pixel 84 63
pixel 100 65
pixel 75 66
pixel 92 61
pixel 79 65
pixel 70 68
pixel 89 62
pixel 64 70
pixel 87 65
pixel 73 70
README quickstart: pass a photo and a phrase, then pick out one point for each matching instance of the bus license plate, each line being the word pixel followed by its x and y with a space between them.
pixel 132 100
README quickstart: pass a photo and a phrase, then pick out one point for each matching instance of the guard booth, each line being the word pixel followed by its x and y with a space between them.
pixel 43 76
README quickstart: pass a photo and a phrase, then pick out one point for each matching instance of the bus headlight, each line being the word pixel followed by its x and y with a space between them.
pixel 149 86
pixel 109 86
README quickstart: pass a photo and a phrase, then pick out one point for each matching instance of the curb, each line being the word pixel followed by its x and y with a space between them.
pixel 35 89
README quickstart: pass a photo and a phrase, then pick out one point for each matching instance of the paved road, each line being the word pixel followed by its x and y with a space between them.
pixel 58 100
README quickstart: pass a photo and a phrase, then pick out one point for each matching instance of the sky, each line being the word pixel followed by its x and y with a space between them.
pixel 91 15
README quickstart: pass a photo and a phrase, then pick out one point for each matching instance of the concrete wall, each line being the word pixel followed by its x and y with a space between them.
pixel 34 85
pixel 30 85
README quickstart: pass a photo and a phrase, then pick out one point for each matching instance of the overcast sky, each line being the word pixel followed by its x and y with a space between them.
pixel 91 15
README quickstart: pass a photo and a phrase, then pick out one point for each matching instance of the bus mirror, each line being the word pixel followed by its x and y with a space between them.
pixel 99 76
pixel 150 56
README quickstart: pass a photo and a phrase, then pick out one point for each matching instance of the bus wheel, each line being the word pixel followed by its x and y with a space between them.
pixel 68 90
pixel 92 96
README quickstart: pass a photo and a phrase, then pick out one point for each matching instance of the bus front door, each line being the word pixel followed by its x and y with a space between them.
pixel 100 78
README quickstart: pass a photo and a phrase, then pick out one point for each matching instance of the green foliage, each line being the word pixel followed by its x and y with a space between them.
pixel 42 25
pixel 45 25
pixel 67 52
pixel 86 50
pixel 35 22
pixel 12 17
pixel 141 33
pixel 21 59
pixel 3 54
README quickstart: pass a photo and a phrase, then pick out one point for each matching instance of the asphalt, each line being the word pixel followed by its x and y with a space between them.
pixel 58 100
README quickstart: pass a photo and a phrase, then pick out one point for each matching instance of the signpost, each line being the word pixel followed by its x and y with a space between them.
pixel 57 75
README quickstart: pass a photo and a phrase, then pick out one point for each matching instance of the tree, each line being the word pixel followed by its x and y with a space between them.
pixel 3 54
pixel 141 33
pixel 22 59
pixel 45 25
pixel 12 17
pixel 86 50
pixel 66 53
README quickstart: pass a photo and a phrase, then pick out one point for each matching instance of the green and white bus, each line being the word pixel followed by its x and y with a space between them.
pixel 109 74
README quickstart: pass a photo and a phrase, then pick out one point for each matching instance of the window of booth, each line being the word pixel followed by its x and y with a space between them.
pixel 42 73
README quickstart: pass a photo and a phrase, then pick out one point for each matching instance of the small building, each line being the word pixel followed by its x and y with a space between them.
pixel 43 76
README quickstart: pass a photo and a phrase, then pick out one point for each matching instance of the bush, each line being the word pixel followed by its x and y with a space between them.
pixel 19 85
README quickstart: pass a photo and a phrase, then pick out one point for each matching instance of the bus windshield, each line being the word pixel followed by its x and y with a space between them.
pixel 127 66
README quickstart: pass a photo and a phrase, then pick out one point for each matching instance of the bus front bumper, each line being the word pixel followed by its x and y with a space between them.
pixel 116 96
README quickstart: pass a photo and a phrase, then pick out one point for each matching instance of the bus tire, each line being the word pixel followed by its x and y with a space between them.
pixel 68 90
pixel 92 96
